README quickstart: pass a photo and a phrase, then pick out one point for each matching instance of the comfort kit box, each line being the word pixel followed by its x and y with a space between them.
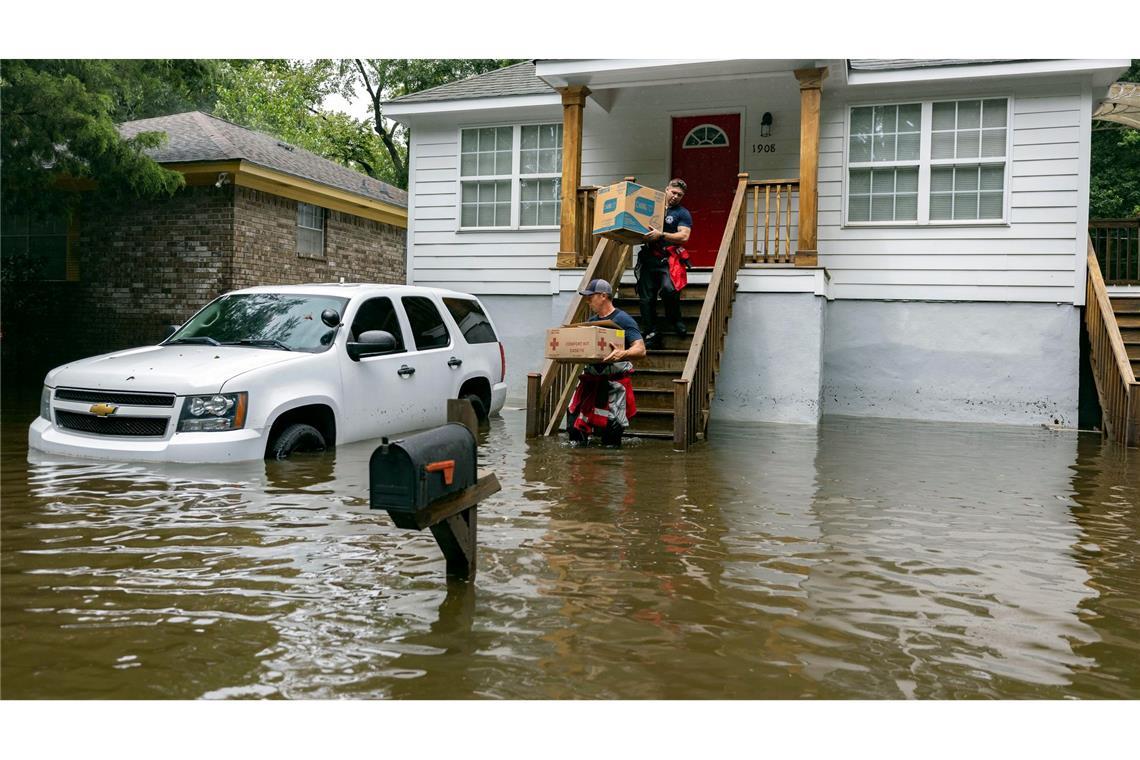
pixel 584 342
pixel 625 212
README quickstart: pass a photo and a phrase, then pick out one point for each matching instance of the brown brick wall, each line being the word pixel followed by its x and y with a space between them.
pixel 265 246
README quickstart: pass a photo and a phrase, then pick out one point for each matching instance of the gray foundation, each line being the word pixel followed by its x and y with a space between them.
pixel 967 362
pixel 521 322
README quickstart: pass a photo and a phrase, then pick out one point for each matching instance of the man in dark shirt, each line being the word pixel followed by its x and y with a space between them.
pixel 653 266
pixel 604 396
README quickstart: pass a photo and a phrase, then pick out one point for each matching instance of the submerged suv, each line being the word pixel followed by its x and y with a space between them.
pixel 268 371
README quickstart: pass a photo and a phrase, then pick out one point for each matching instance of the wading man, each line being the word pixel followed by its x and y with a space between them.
pixel 653 278
pixel 603 402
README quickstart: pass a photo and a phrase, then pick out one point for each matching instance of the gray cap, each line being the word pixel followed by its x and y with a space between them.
pixel 597 286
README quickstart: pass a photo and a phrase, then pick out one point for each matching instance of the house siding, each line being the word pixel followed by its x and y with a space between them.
pixel 1034 258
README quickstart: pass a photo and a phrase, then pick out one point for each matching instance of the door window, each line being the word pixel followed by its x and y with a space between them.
pixel 378 314
pixel 428 328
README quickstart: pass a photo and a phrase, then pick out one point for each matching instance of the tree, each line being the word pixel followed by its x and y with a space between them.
pixel 1114 182
pixel 58 120
pixel 384 79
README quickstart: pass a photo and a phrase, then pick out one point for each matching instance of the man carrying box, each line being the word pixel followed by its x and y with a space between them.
pixel 653 277
pixel 603 402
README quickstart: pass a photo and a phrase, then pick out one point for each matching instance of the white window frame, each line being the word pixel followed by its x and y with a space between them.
pixel 322 229
pixel 925 163
pixel 515 177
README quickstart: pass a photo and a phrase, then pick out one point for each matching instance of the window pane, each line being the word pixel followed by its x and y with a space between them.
pixel 969 114
pixel 469 217
pixel 968 144
pixel 993 142
pixel 910 118
pixel 941 179
pixel 906 208
pixel 990 206
pixel 469 164
pixel 994 113
pixel 942 145
pixel 882 208
pixel 504 138
pixel 943 116
pixel 502 215
pixel 859 209
pixel 470 141
pixel 529 162
pixel 993 177
pixel 503 163
pixel 472 321
pixel 548 162
pixel 882 181
pixel 861 120
pixel 548 214
pixel 941 205
pixel 908 144
pixel 883 148
pixel 529 137
pixel 860 181
pixel 486 139
pixel 428 327
pixel 528 214
pixel 965 205
pixel 860 148
pixel 486 216
pixel 885 119
pixel 966 179
pixel 906 180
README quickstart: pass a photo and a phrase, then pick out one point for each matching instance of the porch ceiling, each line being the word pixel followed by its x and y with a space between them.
pixel 602 74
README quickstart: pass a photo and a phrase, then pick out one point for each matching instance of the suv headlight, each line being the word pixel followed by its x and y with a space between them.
pixel 45 403
pixel 220 411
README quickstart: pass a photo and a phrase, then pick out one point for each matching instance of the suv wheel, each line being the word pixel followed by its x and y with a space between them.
pixel 478 405
pixel 294 438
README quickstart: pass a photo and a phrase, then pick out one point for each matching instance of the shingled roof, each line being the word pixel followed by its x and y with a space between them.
pixel 196 136
pixel 516 79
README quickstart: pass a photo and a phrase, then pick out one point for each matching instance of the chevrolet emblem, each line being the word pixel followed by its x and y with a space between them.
pixel 103 410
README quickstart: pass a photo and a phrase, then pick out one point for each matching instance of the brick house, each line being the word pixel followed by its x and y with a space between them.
pixel 254 211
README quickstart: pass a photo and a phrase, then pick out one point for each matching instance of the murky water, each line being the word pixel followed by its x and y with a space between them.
pixel 862 559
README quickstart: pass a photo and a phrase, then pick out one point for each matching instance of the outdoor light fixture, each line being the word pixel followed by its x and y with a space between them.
pixel 766 124
pixel 223 179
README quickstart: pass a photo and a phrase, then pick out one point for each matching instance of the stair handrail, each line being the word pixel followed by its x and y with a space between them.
pixel 691 390
pixel 1118 391
pixel 548 391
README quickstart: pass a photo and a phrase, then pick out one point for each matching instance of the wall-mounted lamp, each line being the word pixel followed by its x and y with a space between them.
pixel 223 179
pixel 766 125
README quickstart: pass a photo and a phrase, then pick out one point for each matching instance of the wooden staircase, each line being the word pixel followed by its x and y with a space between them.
pixel 1127 312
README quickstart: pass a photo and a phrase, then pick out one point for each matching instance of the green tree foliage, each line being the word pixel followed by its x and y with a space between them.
pixel 1114 183
pixel 58 119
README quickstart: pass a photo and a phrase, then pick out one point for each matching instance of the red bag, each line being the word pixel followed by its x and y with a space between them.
pixel 679 266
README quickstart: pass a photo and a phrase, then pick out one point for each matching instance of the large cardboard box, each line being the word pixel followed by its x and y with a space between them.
pixel 584 341
pixel 625 212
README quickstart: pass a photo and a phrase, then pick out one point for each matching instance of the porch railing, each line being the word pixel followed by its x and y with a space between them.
pixel 1117 246
pixel 772 210
pixel 1116 384
pixel 692 393
pixel 584 240
pixel 548 392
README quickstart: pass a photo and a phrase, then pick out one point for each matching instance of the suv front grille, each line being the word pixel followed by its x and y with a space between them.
pixel 122 426
pixel 123 398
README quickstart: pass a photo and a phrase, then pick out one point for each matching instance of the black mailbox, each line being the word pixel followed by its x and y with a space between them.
pixel 409 474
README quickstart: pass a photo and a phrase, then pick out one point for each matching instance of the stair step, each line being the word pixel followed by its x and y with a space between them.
pixel 689 308
pixel 663 359
pixel 653 398
pixel 660 379
pixel 652 421
pixel 1127 321
pixel 1125 305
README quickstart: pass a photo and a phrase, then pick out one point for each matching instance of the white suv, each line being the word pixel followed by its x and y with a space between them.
pixel 268 371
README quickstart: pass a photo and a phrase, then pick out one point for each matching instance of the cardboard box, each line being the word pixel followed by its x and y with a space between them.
pixel 583 342
pixel 625 212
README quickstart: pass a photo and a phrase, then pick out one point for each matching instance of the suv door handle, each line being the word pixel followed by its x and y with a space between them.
pixel 406 370
pixel 453 362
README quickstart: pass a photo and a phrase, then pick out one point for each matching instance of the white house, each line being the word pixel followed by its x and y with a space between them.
pixel 941 264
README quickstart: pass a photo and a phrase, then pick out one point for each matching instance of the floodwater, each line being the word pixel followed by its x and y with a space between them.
pixel 860 559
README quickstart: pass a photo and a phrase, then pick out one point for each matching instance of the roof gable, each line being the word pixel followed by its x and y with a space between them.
pixel 516 79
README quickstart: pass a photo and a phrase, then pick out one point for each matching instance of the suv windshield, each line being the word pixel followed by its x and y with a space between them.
pixel 275 321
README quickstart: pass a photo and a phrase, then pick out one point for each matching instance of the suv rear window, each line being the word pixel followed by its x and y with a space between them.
pixel 472 320
pixel 428 328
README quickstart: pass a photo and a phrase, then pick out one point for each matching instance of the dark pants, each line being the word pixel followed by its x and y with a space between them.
pixel 650 284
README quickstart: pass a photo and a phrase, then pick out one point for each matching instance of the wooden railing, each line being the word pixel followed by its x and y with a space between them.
pixel 692 393
pixel 584 240
pixel 772 242
pixel 548 392
pixel 1117 246
pixel 1116 385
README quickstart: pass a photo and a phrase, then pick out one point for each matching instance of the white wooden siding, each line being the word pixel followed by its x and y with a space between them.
pixel 1032 258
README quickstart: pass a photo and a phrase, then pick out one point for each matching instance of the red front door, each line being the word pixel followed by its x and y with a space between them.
pixel 706 154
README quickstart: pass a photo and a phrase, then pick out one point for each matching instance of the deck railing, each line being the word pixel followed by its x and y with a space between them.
pixel 692 393
pixel 1117 246
pixel 584 240
pixel 772 210
pixel 548 392
pixel 1116 384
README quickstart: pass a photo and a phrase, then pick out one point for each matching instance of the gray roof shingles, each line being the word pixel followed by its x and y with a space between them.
pixel 517 79
pixel 196 136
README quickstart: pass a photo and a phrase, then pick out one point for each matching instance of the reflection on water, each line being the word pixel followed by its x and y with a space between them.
pixel 862 559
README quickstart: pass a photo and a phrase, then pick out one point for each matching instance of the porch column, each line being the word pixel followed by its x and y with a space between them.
pixel 573 103
pixel 811 81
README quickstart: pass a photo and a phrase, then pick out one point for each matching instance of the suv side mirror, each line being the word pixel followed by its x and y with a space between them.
pixel 371 343
pixel 168 331
pixel 330 317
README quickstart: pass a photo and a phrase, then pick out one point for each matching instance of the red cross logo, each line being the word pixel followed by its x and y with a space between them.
pixel 601 343
pixel 554 344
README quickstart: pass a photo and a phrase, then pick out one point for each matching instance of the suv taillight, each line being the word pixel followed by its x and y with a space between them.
pixel 502 363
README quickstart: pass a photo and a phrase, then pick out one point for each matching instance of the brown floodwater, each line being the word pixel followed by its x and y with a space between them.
pixel 860 559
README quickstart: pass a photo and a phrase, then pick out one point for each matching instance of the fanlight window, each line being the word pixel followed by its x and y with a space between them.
pixel 706 136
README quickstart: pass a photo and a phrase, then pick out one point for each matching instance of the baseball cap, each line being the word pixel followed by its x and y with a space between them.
pixel 597 286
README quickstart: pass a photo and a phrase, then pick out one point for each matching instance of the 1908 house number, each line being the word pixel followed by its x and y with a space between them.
pixel 763 147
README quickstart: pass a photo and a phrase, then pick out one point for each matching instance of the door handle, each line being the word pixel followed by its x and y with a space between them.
pixel 453 362
pixel 406 370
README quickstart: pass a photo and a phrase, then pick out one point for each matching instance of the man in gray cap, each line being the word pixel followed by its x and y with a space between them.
pixel 603 401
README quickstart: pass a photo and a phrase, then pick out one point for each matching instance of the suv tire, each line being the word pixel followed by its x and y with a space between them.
pixel 478 404
pixel 294 438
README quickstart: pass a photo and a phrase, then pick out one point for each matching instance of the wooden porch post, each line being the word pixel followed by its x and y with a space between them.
pixel 811 81
pixel 573 103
